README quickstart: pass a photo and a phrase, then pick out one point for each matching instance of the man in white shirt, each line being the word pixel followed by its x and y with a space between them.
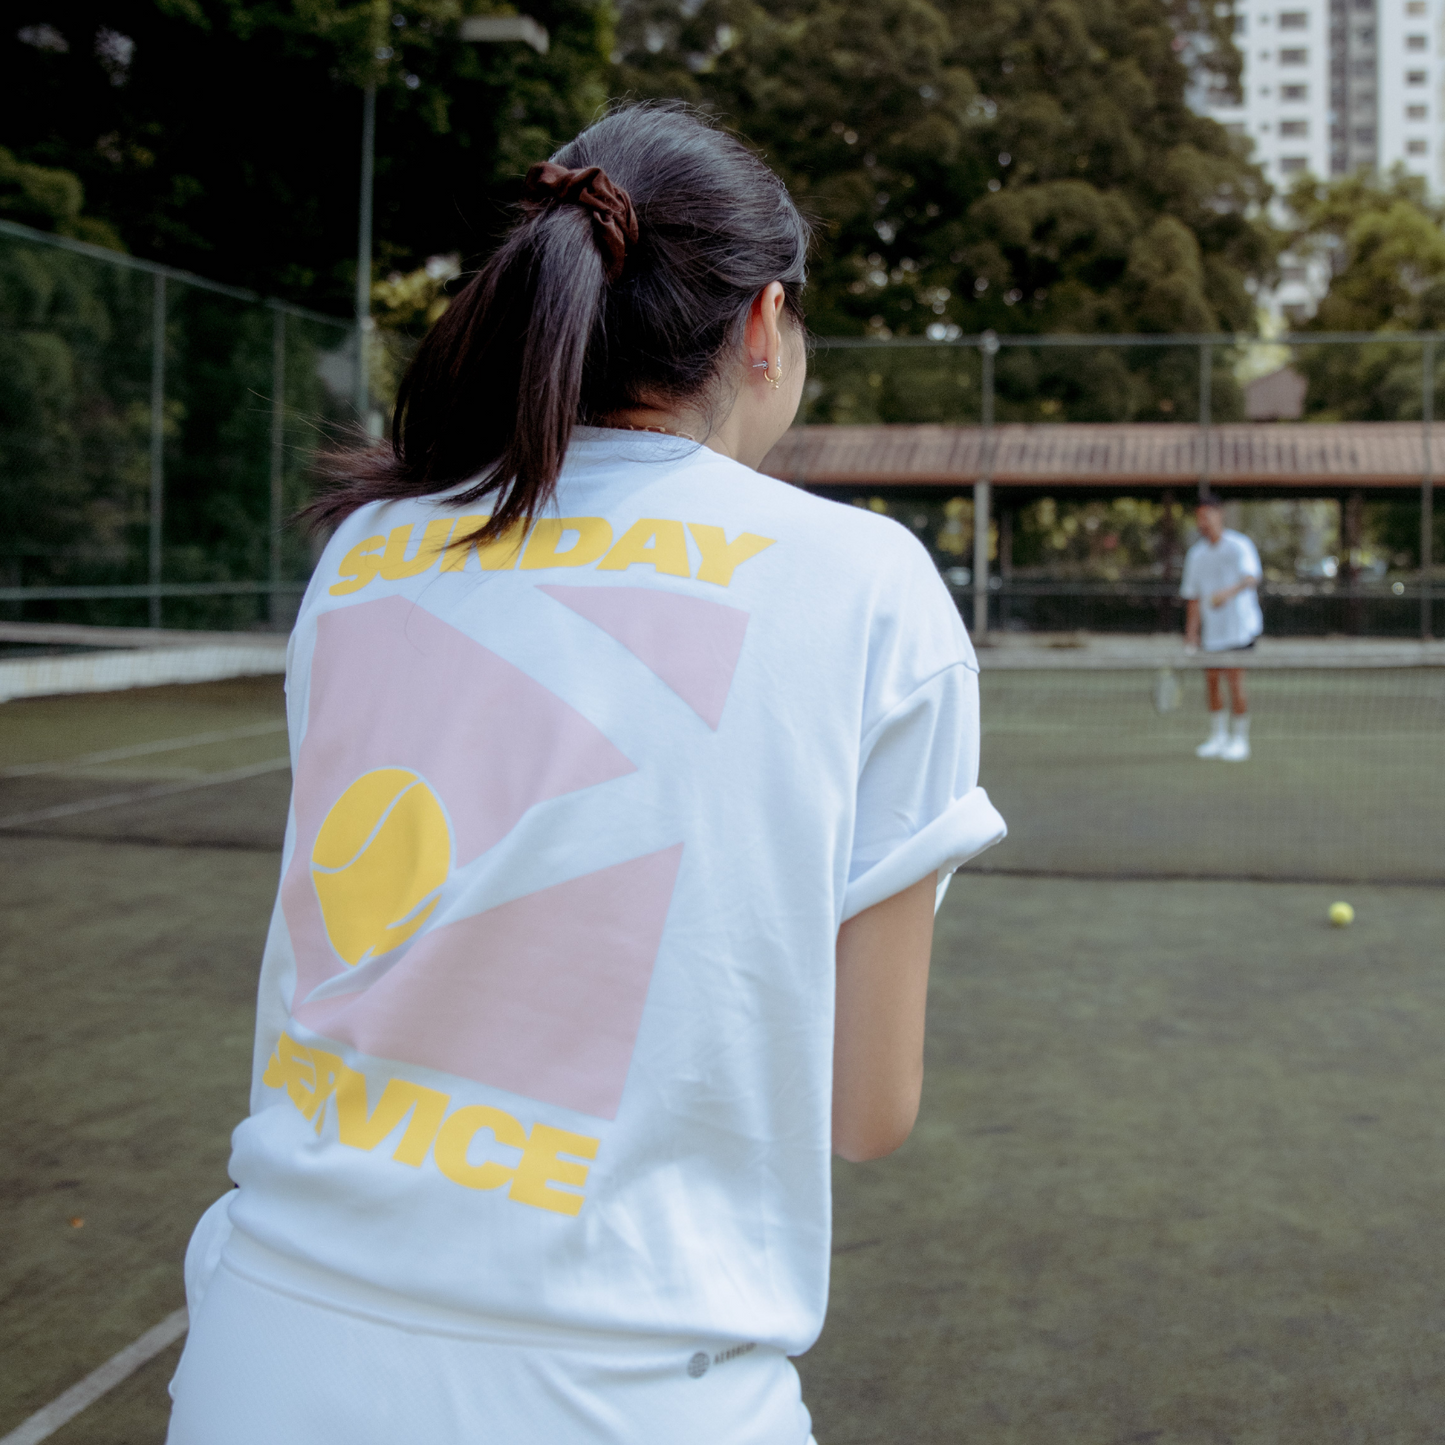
pixel 1220 587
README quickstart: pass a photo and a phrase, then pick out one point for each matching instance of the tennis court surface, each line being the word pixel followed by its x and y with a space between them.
pixel 1179 1167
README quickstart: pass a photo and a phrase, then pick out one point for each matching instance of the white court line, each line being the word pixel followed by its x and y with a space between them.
pixel 140 750
pixel 48 1419
pixel 141 795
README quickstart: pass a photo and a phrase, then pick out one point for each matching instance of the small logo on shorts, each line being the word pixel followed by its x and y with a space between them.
pixel 697 1366
pixel 732 1354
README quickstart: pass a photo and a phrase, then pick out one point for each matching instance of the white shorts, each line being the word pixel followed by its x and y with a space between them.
pixel 269 1363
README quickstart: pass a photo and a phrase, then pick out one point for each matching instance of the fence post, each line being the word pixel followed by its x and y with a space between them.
pixel 278 458
pixel 363 254
pixel 158 438
pixel 981 490
pixel 1427 489
pixel 1206 381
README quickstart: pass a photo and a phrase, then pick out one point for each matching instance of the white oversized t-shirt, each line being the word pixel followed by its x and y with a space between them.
pixel 546 1013
pixel 1215 567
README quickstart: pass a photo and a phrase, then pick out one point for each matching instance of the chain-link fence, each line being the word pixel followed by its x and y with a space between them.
pixel 1114 564
pixel 1357 555
pixel 157 432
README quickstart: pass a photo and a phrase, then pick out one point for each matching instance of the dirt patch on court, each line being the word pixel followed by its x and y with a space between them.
pixel 129 977
pixel 1177 1178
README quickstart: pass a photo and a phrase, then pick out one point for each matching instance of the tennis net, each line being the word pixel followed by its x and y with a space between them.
pixel 1088 751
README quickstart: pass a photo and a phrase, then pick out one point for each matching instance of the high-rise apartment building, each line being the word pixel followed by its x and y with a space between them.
pixel 1333 85
pixel 1330 86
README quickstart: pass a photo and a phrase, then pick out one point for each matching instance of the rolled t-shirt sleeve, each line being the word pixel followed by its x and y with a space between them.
pixel 920 809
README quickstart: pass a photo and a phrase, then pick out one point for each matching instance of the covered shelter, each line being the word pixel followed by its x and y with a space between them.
pixel 1248 460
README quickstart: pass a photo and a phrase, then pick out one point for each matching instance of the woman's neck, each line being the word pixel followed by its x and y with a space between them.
pixel 678 422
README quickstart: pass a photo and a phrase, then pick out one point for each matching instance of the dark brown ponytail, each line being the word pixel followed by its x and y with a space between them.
pixel 541 340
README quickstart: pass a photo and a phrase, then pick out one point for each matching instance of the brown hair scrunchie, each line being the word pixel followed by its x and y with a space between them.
pixel 614 222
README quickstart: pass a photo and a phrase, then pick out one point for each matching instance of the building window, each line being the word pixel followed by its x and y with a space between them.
pixel 1415 148
pixel 1235 127
pixel 1294 92
pixel 1362 67
pixel 1292 165
pixel 1416 112
pixel 1415 7
pixel 1293 19
pixel 1294 57
pixel 1415 42
pixel 1365 135
pixel 1414 77
pixel 1294 127
pixel 1293 273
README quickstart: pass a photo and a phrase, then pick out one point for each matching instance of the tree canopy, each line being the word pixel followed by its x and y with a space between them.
pixel 1022 167
pixel 1382 241
pixel 223 136
pixel 1027 168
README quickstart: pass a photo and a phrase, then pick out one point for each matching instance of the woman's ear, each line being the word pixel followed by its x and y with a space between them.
pixel 763 338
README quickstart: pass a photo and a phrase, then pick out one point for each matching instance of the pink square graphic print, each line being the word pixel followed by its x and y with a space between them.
pixel 541 996
pixel 422 750
pixel 691 644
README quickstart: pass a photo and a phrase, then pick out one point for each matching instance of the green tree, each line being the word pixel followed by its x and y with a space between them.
pixel 1381 238
pixel 989 166
pixel 1028 169
pixel 75 417
pixel 50 199
pixel 72 418
pixel 223 136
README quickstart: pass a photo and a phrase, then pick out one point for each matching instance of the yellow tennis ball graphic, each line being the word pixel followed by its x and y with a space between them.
pixel 381 857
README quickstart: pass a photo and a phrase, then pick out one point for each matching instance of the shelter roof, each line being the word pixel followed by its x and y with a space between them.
pixel 1303 457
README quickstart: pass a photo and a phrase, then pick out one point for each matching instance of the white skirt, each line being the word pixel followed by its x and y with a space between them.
pixel 269 1361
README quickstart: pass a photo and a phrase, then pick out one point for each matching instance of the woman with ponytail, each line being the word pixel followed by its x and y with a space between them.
pixel 625 781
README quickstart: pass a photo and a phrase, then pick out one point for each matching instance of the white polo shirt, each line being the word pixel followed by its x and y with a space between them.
pixel 1215 567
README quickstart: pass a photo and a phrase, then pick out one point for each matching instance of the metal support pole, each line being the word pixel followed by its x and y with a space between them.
pixel 981 493
pixel 1168 552
pixel 278 458
pixel 1352 536
pixel 158 440
pixel 1427 490
pixel 363 253
pixel 1206 379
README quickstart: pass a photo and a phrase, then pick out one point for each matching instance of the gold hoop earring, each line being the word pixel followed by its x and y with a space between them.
pixel 775 379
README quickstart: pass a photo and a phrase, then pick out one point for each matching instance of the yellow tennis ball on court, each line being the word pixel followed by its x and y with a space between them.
pixel 1341 915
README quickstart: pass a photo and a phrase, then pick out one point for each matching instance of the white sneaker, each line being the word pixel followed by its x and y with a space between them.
pixel 1215 747
pixel 1236 750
